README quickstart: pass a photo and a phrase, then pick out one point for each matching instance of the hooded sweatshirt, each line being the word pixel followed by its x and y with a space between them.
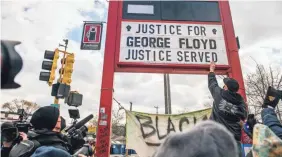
pixel 228 107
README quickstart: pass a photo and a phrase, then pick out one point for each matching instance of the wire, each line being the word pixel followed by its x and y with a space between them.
pixel 119 104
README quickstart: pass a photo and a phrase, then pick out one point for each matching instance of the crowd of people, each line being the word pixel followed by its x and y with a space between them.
pixel 220 136
pixel 44 140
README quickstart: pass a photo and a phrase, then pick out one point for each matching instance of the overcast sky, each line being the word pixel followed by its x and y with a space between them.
pixel 42 25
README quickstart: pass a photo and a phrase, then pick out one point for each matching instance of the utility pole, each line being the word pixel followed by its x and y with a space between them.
pixel 167 94
pixel 157 109
pixel 130 106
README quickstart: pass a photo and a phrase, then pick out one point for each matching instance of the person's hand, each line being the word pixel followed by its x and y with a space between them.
pixel 212 67
pixel 23 135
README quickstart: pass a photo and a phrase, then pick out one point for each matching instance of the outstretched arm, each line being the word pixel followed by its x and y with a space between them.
pixel 212 82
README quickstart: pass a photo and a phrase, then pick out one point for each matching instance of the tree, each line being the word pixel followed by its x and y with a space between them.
pixel 118 128
pixel 16 104
pixel 256 87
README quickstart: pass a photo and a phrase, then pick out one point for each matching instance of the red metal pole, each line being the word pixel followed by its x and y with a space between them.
pixel 105 111
pixel 234 61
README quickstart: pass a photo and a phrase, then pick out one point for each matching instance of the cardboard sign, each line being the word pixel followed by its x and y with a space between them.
pixel 147 131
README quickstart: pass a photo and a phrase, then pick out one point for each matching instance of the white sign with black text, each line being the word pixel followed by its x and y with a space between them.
pixel 164 43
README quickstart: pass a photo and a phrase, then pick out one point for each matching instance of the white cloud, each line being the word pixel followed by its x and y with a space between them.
pixel 41 25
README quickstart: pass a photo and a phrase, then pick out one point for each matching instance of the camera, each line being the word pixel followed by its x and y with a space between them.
pixel 9 134
pixel 11 64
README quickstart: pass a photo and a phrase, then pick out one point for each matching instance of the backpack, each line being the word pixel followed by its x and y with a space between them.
pixel 24 148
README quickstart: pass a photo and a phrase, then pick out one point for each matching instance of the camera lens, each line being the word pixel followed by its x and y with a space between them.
pixel 9 134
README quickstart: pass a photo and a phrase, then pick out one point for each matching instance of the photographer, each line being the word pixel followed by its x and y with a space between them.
pixel 9 137
pixel 46 122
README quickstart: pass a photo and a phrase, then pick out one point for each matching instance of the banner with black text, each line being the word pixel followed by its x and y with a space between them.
pixel 145 132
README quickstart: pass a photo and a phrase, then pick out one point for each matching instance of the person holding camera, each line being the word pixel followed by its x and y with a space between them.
pixel 46 123
pixel 9 137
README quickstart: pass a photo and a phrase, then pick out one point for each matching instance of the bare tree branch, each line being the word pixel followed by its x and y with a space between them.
pixel 16 104
pixel 256 85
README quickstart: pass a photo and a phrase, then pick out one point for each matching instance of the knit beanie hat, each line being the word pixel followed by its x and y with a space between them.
pixel 207 139
pixel 45 117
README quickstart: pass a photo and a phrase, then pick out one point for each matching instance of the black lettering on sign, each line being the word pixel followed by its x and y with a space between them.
pixel 147 124
pixel 196 43
pixel 141 55
pixel 203 31
pixel 196 30
pixel 144 28
pixel 148 54
pixel 166 42
pixel 183 120
pixel 214 57
pixel 161 58
pixel 159 29
pixel 148 42
pixel 129 41
pixel 168 55
pixel 152 30
pixel 155 130
pixel 157 127
pixel 189 30
pixel 137 42
pixel 201 56
pixel 207 56
pixel 178 30
pixel 170 126
pixel 181 42
pixel 153 42
pixel 212 44
pixel 128 54
pixel 165 29
pixel 171 30
pixel 186 56
pixel 179 56
pixel 204 43
pixel 159 42
pixel 193 56
pixel 134 54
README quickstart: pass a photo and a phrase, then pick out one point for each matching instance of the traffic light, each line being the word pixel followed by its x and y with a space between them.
pixel 49 64
pixel 68 69
pixel 74 99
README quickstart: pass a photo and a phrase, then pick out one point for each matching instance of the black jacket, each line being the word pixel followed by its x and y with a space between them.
pixel 50 138
pixel 37 139
pixel 5 151
pixel 228 107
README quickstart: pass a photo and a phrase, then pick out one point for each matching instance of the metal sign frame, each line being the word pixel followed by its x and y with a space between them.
pixel 111 66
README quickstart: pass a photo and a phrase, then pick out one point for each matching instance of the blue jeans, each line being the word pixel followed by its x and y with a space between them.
pixel 269 118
